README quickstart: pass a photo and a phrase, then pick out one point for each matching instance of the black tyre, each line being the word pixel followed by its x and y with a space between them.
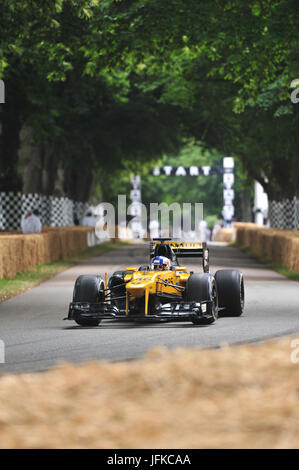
pixel 230 286
pixel 202 287
pixel 88 288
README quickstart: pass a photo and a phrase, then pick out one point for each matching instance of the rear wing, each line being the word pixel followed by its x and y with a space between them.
pixel 181 250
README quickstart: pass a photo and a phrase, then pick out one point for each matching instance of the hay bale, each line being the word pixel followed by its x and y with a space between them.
pixel 279 246
pixel 225 235
pixel 22 252
pixel 259 242
pixel 266 244
pixel 11 256
pixel 294 254
pixel 240 236
pixel 30 256
pixel 233 397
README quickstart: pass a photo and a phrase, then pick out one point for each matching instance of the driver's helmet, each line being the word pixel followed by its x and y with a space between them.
pixel 161 263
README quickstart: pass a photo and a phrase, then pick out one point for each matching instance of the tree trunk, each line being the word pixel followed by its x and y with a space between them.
pixel 246 209
pixel 58 189
pixel 50 162
pixel 29 161
pixel 77 183
pixel 38 166
pixel 9 144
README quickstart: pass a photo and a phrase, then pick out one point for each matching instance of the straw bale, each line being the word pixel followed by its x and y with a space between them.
pixel 225 235
pixel 20 253
pixel 234 397
pixel 279 246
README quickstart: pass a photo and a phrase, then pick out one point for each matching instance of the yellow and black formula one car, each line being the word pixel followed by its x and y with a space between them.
pixel 163 290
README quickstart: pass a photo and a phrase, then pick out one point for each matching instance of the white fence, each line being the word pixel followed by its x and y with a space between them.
pixel 284 214
pixel 54 211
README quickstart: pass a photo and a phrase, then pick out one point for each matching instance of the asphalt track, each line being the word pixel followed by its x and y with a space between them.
pixel 36 337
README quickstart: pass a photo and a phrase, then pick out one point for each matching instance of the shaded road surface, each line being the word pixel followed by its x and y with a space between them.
pixel 36 337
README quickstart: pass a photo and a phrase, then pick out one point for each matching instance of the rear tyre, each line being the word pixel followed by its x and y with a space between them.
pixel 88 289
pixel 200 288
pixel 230 286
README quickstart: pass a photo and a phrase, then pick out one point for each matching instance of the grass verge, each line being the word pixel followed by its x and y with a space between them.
pixel 293 275
pixel 24 281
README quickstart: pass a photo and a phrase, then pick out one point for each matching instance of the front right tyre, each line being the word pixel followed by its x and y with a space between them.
pixel 202 288
pixel 88 288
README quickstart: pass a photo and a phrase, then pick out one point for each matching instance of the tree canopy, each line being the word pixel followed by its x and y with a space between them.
pixel 94 85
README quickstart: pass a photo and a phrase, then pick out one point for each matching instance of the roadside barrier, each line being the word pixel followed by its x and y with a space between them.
pixel 278 246
pixel 284 214
pixel 22 252
pixel 54 211
pixel 225 235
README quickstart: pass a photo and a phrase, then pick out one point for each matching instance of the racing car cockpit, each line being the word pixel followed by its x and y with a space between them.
pixel 161 250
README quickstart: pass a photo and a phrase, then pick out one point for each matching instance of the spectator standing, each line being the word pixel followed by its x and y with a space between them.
pixel 227 215
pixel 88 220
pixel 31 223
pixel 217 226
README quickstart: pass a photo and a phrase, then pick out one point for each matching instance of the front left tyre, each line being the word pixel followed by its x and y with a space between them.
pixel 88 288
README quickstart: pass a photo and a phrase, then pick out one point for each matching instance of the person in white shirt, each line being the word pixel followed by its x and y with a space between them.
pixel 204 231
pixel 89 220
pixel 227 215
pixel 216 227
pixel 31 223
